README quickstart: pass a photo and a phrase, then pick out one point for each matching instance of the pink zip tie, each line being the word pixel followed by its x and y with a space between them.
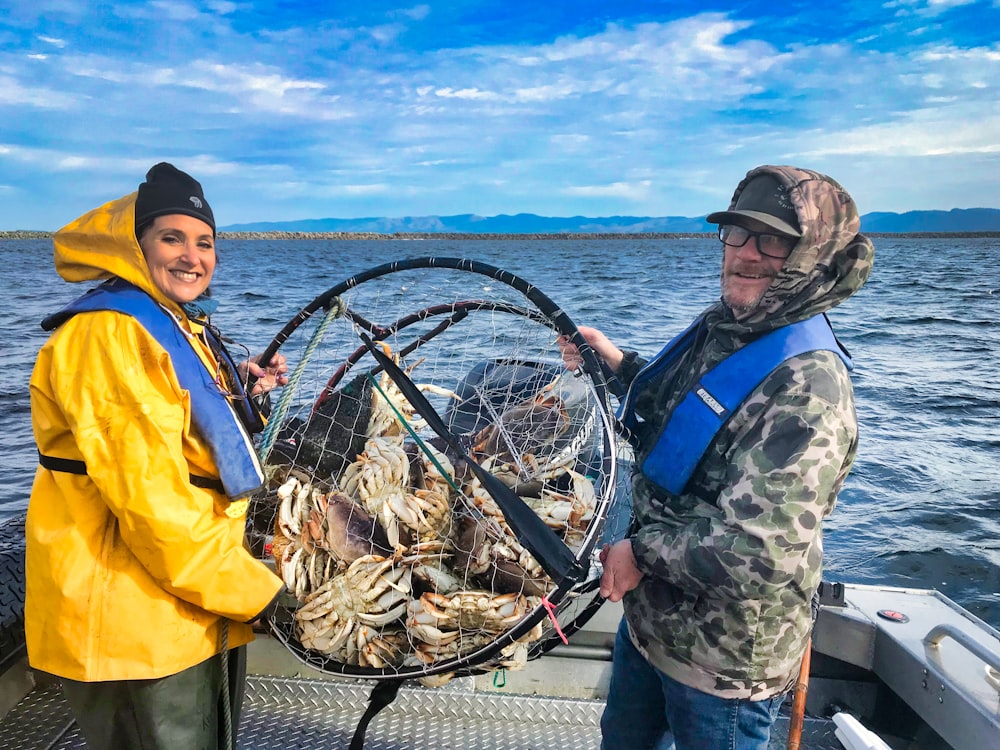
pixel 551 609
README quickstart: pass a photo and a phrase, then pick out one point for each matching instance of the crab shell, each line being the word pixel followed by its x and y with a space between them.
pixel 488 549
pixel 530 428
pixel 372 591
pixel 470 609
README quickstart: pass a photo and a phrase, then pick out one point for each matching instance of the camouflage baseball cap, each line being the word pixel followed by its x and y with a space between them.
pixel 762 206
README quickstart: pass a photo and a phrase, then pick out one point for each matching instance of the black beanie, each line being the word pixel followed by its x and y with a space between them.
pixel 168 190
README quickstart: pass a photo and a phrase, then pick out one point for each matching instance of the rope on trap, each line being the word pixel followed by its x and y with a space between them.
pixel 277 418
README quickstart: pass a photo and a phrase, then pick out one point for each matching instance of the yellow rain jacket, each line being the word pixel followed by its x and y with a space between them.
pixel 130 569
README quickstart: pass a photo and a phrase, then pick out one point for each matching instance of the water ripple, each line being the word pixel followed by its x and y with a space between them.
pixel 922 505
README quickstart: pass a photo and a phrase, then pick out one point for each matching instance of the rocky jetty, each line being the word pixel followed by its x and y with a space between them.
pixel 458 236
pixel 25 235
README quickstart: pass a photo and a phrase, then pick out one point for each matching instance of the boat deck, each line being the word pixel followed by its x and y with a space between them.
pixel 554 702
pixel 302 714
pixel 898 658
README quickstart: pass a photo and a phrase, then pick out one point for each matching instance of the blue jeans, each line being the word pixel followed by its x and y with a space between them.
pixel 646 710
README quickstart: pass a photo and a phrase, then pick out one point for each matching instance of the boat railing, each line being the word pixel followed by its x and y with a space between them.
pixel 991 658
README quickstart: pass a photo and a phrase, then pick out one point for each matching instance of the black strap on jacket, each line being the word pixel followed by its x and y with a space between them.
pixel 72 466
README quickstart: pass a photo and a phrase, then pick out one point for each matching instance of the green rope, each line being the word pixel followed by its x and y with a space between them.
pixel 270 434
pixel 413 433
pixel 227 708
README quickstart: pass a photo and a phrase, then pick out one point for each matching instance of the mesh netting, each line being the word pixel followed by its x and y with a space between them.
pixel 438 481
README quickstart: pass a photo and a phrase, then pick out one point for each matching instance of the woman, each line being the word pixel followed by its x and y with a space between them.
pixel 137 576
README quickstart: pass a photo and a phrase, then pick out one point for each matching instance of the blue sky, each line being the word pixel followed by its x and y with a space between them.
pixel 289 110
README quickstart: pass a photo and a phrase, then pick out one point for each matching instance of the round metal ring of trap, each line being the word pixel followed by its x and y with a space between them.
pixel 438 481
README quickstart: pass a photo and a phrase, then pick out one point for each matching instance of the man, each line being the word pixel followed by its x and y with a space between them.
pixel 744 429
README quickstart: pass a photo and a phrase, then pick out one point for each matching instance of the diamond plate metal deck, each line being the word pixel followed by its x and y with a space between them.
pixel 304 714
pixel 319 714
pixel 297 714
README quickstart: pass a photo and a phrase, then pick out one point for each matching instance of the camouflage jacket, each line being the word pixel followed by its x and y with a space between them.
pixel 731 564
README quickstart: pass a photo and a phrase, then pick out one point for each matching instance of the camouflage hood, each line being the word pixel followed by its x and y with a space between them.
pixel 829 263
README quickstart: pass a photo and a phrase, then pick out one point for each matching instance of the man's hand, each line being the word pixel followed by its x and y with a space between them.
pixel 620 572
pixel 600 343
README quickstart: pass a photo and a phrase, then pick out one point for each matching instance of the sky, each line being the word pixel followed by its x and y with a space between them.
pixel 309 110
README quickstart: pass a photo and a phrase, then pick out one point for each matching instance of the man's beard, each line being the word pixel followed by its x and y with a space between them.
pixel 741 309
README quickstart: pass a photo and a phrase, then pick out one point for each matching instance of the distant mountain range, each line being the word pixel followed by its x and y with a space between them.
pixel 957 220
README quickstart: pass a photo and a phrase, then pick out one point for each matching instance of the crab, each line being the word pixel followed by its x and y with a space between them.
pixel 378 479
pixel 438 619
pixel 297 498
pixel 426 512
pixel 513 656
pixel 381 481
pixel 446 627
pixel 373 591
pixel 390 408
pixel 429 562
pixel 317 534
pixel 524 436
pixel 487 549
pixel 371 647
pixel 389 405
pixel 428 505
pixel 568 511
pixel 304 571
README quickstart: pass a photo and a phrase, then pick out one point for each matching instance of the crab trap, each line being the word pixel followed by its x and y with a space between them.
pixel 438 482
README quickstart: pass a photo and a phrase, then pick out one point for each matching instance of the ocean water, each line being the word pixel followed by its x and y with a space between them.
pixel 922 505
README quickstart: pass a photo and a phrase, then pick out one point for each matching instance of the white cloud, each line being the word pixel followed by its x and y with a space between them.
pixel 620 118
pixel 630 191
pixel 13 93
pixel 973 57
pixel 60 161
pixel 223 7
pixel 228 79
pixel 927 8
pixel 570 140
pixel 930 132
pixel 686 59
pixel 416 13
pixel 251 87
pixel 161 10
pixel 470 93
pixel 946 4
pixel 361 189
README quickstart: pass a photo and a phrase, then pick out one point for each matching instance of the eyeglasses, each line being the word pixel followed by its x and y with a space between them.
pixel 771 245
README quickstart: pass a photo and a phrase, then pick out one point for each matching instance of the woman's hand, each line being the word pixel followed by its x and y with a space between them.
pixel 269 377
pixel 600 343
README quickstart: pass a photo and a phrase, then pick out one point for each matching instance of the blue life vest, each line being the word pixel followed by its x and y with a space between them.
pixel 708 405
pixel 212 413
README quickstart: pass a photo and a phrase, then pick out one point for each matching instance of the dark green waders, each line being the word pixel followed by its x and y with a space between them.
pixel 179 712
